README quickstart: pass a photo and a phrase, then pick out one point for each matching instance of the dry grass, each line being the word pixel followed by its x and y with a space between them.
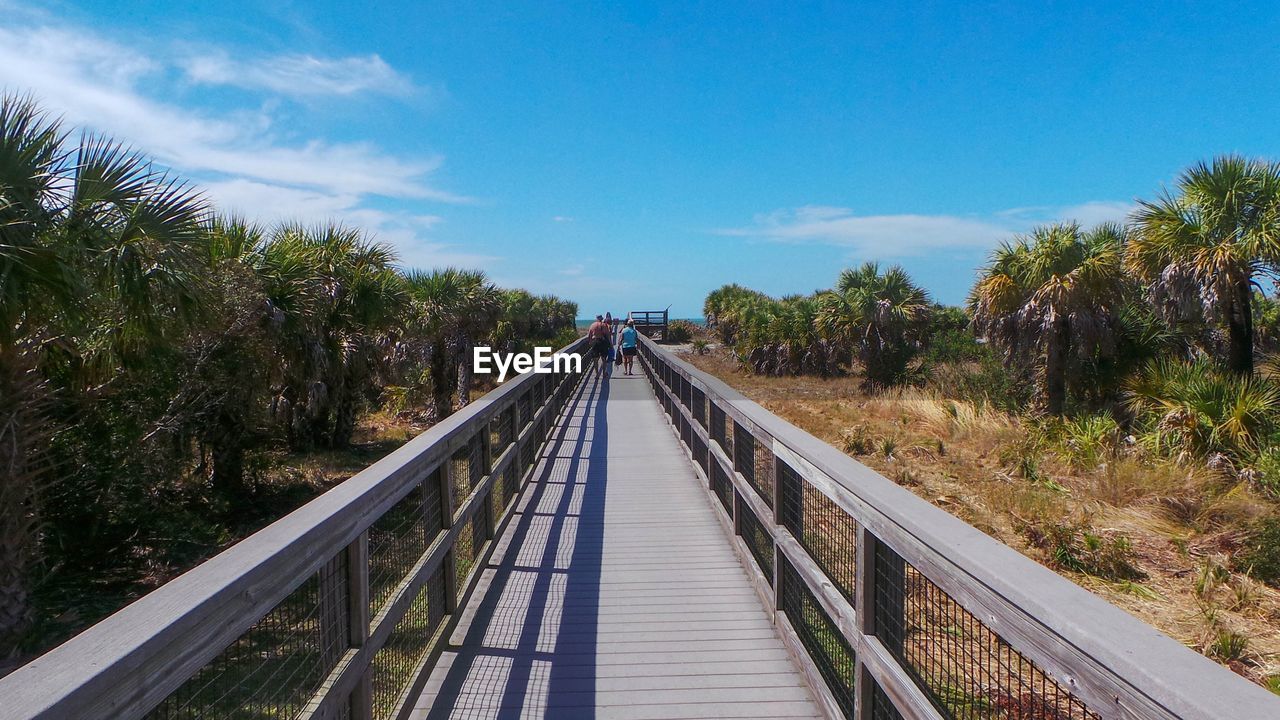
pixel 999 474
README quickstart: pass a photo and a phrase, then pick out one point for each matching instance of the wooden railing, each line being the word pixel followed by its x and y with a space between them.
pixel 896 609
pixel 336 610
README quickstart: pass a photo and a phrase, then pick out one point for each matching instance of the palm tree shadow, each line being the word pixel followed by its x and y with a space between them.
pixel 534 636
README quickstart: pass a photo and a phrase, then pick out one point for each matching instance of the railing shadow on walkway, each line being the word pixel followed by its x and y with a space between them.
pixel 553 652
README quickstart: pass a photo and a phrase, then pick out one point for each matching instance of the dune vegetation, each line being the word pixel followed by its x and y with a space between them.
pixel 171 379
pixel 1107 400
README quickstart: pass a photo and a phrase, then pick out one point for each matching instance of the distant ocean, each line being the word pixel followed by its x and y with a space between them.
pixel 586 322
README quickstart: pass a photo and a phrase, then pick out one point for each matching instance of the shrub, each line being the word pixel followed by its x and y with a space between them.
pixel 953 345
pixel 699 346
pixel 679 331
pixel 1193 409
pixel 1077 548
pixel 1228 645
pixel 1087 441
pixel 857 441
pixel 981 381
pixel 1266 471
pixel 1260 556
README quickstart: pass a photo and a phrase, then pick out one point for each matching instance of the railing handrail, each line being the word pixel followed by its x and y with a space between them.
pixel 141 653
pixel 1069 629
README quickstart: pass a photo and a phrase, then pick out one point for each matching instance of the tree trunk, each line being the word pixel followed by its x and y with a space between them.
pixel 1055 368
pixel 19 438
pixel 464 372
pixel 1240 329
pixel 344 422
pixel 442 386
pixel 228 463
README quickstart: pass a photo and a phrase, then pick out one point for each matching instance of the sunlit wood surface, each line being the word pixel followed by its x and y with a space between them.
pixel 613 594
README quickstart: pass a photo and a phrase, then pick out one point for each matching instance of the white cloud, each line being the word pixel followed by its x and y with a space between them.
pixel 97 84
pixel 901 235
pixel 1087 214
pixel 297 75
pixel 238 155
pixel 573 270
pixel 885 234
pixel 562 219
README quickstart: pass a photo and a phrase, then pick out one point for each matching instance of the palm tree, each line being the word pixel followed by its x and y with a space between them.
pixel 483 303
pixel 726 308
pixel 1052 297
pixel 336 298
pixel 452 308
pixel 99 259
pixel 880 317
pixel 1200 250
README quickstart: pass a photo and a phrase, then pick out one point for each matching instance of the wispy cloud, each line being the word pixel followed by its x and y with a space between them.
pixel 297 75
pixel 562 219
pixel 241 156
pixel 902 235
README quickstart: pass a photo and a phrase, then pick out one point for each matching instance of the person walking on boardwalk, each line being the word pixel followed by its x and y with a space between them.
pixel 628 340
pixel 598 341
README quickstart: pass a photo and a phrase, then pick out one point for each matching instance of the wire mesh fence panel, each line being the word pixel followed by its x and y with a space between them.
pixel 396 541
pixel 501 431
pixel 498 499
pixel 722 486
pixel 763 474
pixel 825 530
pixel 968 671
pixel 882 707
pixel 757 539
pixel 822 640
pixel 274 669
pixel 718 430
pixel 432 510
pixel 468 468
pixel 463 557
pixel 528 452
pixel 526 410
pixel 700 407
pixel 511 479
pixel 479 532
pixel 699 450
pixel 395 666
pixel 748 461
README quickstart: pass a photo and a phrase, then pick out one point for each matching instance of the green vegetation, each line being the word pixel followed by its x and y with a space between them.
pixel 680 331
pixel 1139 338
pixel 169 376
pixel 1108 399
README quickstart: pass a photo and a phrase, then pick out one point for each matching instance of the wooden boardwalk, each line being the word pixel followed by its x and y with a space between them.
pixel 613 593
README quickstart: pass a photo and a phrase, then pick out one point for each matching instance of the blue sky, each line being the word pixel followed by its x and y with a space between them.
pixel 636 155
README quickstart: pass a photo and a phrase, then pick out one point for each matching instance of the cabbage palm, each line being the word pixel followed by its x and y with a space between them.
pixel 726 308
pixel 452 308
pixel 99 258
pixel 1200 250
pixel 1194 409
pixel 483 307
pixel 336 298
pixel 879 317
pixel 1052 298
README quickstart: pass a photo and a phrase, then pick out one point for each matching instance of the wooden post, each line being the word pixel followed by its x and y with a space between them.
pixel 879 601
pixel 446 521
pixel 517 425
pixel 358 595
pixel 486 458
